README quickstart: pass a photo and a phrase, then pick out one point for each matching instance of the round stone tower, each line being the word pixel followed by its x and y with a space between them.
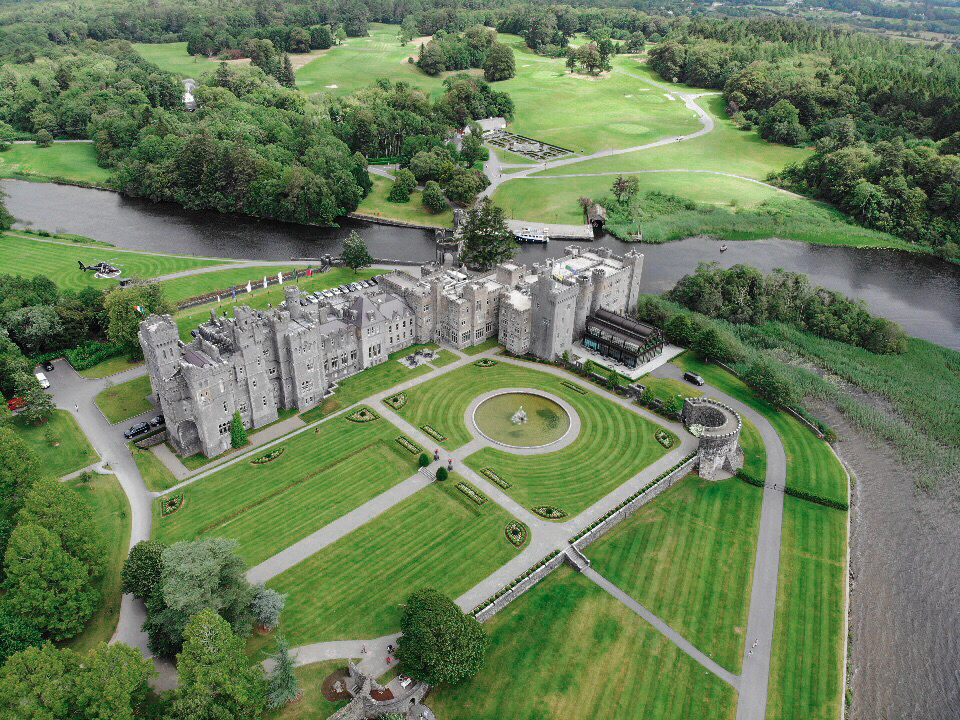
pixel 719 447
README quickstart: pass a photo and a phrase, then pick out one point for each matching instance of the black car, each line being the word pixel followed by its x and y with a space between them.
pixel 156 421
pixel 48 366
pixel 138 429
pixel 693 378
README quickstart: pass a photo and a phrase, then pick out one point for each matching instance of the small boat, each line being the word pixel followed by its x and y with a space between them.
pixel 723 248
pixel 532 235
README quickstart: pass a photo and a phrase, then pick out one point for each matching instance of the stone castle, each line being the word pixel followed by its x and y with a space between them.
pixel 259 362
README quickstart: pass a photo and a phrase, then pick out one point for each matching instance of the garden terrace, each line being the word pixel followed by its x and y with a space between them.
pixel 319 477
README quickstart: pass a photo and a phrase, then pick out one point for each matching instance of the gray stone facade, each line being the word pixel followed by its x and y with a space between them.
pixel 719 447
pixel 260 362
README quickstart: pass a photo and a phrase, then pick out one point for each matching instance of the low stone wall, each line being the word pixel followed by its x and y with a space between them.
pixel 150 441
pixel 627 510
pixel 520 588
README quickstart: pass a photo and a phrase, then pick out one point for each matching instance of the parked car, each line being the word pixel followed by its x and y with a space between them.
pixel 42 379
pixel 138 429
pixel 343 288
pixel 328 293
pixel 692 377
pixel 48 366
pixel 403 680
pixel 156 421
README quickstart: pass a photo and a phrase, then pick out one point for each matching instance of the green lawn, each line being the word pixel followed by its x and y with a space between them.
pixel 111 514
pixel 58 261
pixel 445 357
pixel 811 464
pixel 614 443
pixel 754 450
pixel 110 366
pixel 155 474
pixel 353 589
pixel 482 347
pixel 126 400
pixel 72 451
pixel 173 58
pixel 182 288
pixel 369 382
pixel 666 389
pixel 313 705
pixel 688 558
pixel 259 299
pixel 376 203
pixel 72 162
pixel 566 650
pixel 319 477
pixel 807 669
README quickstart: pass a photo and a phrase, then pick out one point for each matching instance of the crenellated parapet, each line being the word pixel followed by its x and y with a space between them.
pixel 719 447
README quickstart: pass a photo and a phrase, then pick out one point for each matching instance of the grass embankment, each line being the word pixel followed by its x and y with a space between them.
pixel 155 474
pixel 613 445
pixel 74 163
pixel 811 465
pixel 369 382
pixel 319 477
pixel 566 650
pixel 806 674
pixel 111 514
pixel 313 705
pixel 688 558
pixel 259 299
pixel 376 204
pixel 354 588
pixel 126 400
pixel 110 366
pixel 183 288
pixel 72 450
pixel 57 259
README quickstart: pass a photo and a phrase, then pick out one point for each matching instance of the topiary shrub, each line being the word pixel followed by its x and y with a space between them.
pixel 442 474
pixel 424 460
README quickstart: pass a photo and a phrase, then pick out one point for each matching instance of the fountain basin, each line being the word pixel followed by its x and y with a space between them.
pixel 547 421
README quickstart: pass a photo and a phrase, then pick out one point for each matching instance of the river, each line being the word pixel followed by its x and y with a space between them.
pixel 917 291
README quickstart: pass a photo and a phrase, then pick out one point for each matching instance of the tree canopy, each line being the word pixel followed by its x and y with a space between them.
pixel 487 241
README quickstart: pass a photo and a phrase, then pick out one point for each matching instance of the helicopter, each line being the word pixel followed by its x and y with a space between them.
pixel 100 268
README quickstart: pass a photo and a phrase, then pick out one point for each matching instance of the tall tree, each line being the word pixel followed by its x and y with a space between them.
pixel 238 433
pixel 487 241
pixel 6 219
pixel 113 683
pixel 355 254
pixel 285 74
pixel 126 307
pixel 283 687
pixel 38 405
pixel 500 63
pixel 38 684
pixel 267 605
pixel 216 680
pixel 143 569
pixel 440 644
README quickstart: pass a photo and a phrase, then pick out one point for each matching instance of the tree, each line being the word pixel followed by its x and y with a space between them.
pixel 715 346
pixel 442 474
pixel 238 433
pixel 408 30
pixel 679 331
pixel 113 683
pixel 215 679
pixel 625 187
pixel 471 148
pixel 424 460
pixel 267 605
pixel 126 307
pixel 16 634
pixel 299 41
pixel 355 254
pixel 320 37
pixel 440 644
pixel 487 241
pixel 614 380
pixel 433 198
pixel 142 569
pixel 282 687
pixel 19 470
pixel 465 185
pixel 404 184
pixel 340 35
pixel 499 63
pixel 285 75
pixel 38 684
pixel 38 405
pixel 432 60
pixel 6 219
pixel 589 57
pixel 47 584
pixel 44 138
pixel 770 382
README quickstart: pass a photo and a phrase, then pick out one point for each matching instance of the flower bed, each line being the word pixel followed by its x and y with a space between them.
pixel 471 493
pixel 630 499
pixel 272 455
pixel 517 533
pixel 485 362
pixel 396 401
pixel 663 437
pixel 494 478
pixel 549 512
pixel 438 436
pixel 696 430
pixel 493 598
pixel 169 505
pixel 573 386
pixel 409 445
pixel 363 415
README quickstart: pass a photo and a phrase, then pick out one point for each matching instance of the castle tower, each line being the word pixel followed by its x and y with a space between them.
pixel 634 261
pixel 292 295
pixel 160 341
pixel 598 280
pixel 552 316
pixel 584 287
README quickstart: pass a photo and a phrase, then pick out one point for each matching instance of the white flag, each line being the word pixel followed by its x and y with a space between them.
pixel 249 287
pixel 218 298
pixel 280 278
pixel 264 282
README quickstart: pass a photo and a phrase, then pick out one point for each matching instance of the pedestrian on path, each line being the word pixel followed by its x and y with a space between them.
pixel 76 407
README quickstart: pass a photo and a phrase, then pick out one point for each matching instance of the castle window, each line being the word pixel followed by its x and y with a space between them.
pixel 254 382
pixel 305 385
pixel 273 371
pixel 225 407
pixel 353 355
pixel 224 428
pixel 243 407
pixel 309 366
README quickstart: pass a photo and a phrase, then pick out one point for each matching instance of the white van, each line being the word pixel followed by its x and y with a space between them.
pixel 42 379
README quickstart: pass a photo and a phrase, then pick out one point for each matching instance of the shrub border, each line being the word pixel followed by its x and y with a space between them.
pixel 409 445
pixel 507 588
pixel 495 479
pixel 355 416
pixel 549 512
pixel 396 401
pixel 163 504
pixel 432 432
pixel 268 457
pixel 471 492
pixel 524 533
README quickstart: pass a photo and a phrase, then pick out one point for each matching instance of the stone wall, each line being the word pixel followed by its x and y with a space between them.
pixel 520 588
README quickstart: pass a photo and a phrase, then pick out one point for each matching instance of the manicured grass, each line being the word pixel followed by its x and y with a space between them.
pixel 566 650
pixel 376 203
pixel 173 58
pixel 688 558
pixel 182 288
pixel 482 347
pixel 111 514
pixel 445 357
pixel 58 261
pixel 73 450
pixel 319 477
pixel 313 705
pixel 369 382
pixel 754 451
pixel 354 588
pixel 155 474
pixel 666 389
pixel 126 400
pixel 259 299
pixel 110 366
pixel 807 669
pixel 614 443
pixel 811 465
pixel 72 162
